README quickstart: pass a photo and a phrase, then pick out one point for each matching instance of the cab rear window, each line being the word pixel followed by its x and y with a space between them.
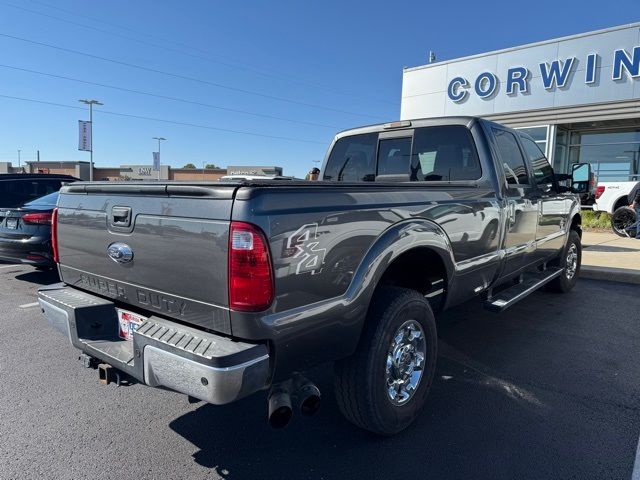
pixel 353 159
pixel 439 153
pixel 444 153
pixel 394 156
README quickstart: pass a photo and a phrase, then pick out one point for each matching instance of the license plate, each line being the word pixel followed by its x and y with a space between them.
pixel 12 223
pixel 129 323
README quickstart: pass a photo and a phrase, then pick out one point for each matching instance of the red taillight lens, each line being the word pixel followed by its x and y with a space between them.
pixel 37 218
pixel 599 191
pixel 250 278
pixel 54 234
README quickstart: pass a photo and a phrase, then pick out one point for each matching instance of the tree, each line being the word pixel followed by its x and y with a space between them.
pixel 189 165
pixel 211 165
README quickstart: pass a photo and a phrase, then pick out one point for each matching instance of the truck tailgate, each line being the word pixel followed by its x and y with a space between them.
pixel 177 239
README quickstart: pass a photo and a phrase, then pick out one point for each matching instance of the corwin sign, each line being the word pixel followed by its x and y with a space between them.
pixel 553 75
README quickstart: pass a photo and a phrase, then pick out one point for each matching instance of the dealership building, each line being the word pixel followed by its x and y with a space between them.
pixel 577 96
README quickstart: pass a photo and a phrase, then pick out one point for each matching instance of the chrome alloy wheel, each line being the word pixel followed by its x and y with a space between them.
pixel 405 362
pixel 572 261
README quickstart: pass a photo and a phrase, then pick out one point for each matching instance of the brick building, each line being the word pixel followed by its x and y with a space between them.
pixel 80 169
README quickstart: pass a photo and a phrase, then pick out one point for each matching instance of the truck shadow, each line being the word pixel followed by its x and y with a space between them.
pixel 236 442
pixel 500 407
pixel 45 277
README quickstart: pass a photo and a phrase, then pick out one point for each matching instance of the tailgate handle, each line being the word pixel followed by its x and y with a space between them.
pixel 121 216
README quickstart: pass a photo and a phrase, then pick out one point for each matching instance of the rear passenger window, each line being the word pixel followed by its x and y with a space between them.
pixel 394 156
pixel 352 159
pixel 511 157
pixel 444 153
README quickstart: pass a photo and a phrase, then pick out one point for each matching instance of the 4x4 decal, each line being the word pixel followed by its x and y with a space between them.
pixel 305 242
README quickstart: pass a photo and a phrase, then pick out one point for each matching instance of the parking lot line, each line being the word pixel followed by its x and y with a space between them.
pixel 9 266
pixel 29 305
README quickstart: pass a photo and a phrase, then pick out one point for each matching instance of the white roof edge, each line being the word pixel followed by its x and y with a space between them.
pixel 527 45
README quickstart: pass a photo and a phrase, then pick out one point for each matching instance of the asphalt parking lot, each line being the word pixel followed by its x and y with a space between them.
pixel 549 389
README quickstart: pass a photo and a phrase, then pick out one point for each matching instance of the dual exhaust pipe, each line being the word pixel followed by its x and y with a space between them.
pixel 282 396
pixel 298 390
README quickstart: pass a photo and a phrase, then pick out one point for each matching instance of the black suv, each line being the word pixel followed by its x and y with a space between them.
pixel 19 188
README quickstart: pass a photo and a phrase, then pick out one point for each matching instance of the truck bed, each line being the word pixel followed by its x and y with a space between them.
pixel 178 232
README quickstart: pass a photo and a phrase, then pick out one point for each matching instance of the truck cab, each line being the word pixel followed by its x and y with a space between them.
pixel 528 210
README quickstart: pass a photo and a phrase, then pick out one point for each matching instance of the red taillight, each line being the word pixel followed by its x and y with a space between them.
pixel 54 234
pixel 37 218
pixel 250 278
pixel 599 191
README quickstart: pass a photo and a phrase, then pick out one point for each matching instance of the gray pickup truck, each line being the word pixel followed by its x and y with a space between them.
pixel 221 290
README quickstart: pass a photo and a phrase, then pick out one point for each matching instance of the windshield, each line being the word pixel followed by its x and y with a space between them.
pixel 50 199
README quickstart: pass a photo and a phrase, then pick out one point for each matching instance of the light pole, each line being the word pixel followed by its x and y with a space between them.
pixel 19 157
pixel 159 140
pixel 91 103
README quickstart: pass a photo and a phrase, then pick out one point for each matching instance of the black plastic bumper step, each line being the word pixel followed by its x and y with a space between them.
pixel 531 282
pixel 197 345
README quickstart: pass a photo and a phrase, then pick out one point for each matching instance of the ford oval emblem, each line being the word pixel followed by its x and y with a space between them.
pixel 120 252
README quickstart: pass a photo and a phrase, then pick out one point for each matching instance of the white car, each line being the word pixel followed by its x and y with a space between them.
pixel 612 195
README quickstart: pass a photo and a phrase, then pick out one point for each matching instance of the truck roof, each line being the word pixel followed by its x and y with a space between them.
pixel 408 124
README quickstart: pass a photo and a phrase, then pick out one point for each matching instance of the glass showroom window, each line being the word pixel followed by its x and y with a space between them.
pixel 614 156
pixel 560 155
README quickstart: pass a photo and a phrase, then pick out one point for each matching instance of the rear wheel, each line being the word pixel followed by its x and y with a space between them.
pixel 621 219
pixel 570 260
pixel 383 386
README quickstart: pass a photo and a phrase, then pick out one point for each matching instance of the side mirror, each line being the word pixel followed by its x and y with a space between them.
pixel 580 175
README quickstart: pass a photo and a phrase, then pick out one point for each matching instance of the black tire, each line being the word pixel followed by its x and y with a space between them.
pixel 360 380
pixel 564 283
pixel 621 219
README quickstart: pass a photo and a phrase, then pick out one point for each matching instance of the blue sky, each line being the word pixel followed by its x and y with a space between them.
pixel 324 65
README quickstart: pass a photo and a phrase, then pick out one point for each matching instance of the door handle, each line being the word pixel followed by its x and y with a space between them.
pixel 511 209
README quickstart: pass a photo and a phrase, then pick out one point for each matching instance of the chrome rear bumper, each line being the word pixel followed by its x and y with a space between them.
pixel 163 353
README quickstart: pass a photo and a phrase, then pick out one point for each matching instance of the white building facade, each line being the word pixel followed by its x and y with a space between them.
pixel 577 96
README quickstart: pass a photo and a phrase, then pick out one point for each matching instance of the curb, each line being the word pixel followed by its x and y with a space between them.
pixel 610 274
